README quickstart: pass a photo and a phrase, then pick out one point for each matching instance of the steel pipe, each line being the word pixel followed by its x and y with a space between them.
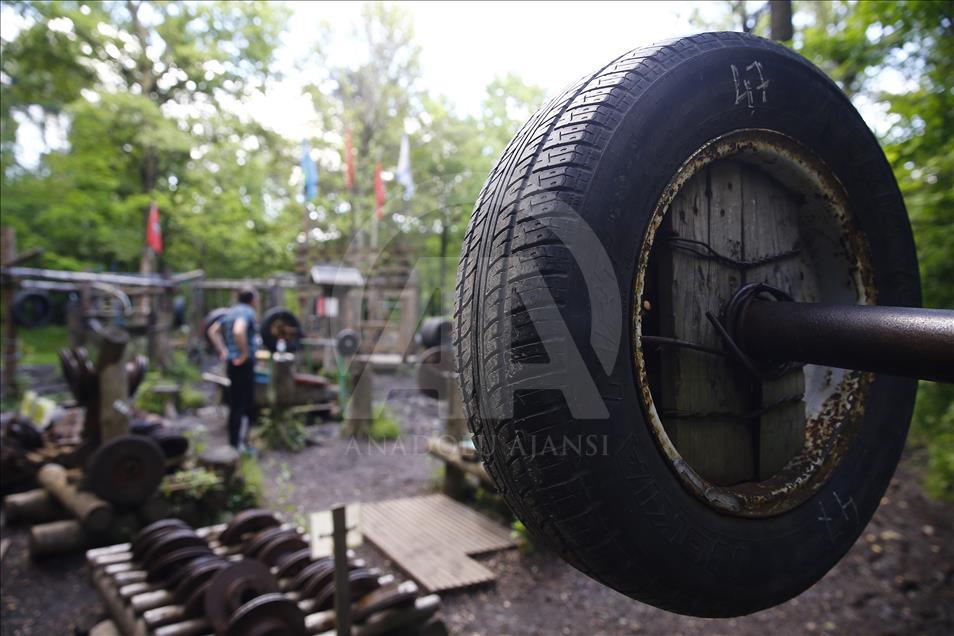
pixel 903 341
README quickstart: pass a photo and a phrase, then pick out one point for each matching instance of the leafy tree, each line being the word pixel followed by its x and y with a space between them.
pixel 144 87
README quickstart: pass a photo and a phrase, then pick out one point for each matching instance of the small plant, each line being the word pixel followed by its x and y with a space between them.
pixel 246 488
pixel 522 536
pixel 282 431
pixel 384 425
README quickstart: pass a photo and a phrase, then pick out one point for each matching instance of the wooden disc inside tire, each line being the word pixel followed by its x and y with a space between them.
pixel 126 470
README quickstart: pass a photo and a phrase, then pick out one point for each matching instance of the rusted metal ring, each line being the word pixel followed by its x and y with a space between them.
pixel 834 398
pixel 291 564
pixel 280 545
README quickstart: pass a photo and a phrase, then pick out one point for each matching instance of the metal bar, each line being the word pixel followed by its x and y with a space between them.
pixel 903 341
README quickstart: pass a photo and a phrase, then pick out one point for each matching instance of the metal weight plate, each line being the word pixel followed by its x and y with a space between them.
pixel 320 568
pixel 197 573
pixel 281 545
pixel 71 372
pixel 88 378
pixel 169 567
pixel 233 586
pixel 246 522
pixel 126 469
pixel 254 547
pixel 172 444
pixel 292 563
pixel 387 597
pixel 268 615
pixel 320 579
pixel 136 371
pixel 347 342
pixel 167 541
pixel 361 582
pixel 142 541
pixel 195 605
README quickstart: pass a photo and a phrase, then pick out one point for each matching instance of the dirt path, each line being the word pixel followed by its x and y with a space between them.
pixel 898 579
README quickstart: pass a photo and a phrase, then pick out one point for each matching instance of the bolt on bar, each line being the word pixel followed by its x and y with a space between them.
pixel 903 341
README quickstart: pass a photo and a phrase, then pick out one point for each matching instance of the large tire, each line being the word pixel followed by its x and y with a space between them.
pixel 32 308
pixel 606 149
pixel 280 324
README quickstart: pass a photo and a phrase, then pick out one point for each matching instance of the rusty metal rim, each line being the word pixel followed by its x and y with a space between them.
pixel 829 433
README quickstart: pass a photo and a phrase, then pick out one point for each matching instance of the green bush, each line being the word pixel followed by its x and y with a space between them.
pixel 384 426
pixel 933 429
pixel 246 489
pixel 281 431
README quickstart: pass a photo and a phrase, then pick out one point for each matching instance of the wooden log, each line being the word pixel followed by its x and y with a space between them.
pixel 342 593
pixel 95 514
pixel 283 380
pixel 360 409
pixel 449 453
pixel 455 428
pixel 58 537
pixel 113 384
pixel 32 506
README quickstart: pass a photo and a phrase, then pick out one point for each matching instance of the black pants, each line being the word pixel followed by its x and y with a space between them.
pixel 241 398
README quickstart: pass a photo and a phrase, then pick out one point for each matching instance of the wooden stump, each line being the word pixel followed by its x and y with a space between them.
pixel 32 506
pixel 58 537
pixel 95 514
pixel 360 406
pixel 113 385
pixel 455 428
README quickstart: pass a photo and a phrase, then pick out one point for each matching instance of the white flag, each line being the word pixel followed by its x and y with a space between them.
pixel 403 172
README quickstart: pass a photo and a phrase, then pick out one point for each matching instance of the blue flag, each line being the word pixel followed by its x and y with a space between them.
pixel 310 169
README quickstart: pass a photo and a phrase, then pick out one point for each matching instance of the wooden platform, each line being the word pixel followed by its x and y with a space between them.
pixel 432 538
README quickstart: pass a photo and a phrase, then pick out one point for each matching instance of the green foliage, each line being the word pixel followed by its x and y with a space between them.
pixel 934 430
pixel 246 489
pixel 282 431
pixel 39 345
pixel 384 425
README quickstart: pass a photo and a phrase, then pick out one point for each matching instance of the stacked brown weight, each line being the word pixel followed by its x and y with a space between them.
pixel 255 576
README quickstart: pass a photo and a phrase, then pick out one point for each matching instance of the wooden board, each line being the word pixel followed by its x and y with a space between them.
pixel 770 227
pixel 432 537
pixel 740 213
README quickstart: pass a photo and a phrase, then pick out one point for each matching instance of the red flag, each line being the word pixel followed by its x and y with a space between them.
pixel 378 192
pixel 349 161
pixel 153 230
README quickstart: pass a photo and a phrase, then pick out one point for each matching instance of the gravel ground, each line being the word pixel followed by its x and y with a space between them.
pixel 898 579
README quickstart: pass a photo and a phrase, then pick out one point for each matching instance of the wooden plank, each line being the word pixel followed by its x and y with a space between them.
pixel 709 210
pixel 770 216
pixel 430 538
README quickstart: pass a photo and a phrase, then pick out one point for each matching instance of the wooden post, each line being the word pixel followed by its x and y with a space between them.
pixel 94 513
pixel 360 408
pixel 283 380
pixel 32 506
pixel 342 591
pixel 8 252
pixel 781 20
pixel 57 537
pixel 160 326
pixel 75 323
pixel 113 384
pixel 455 428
